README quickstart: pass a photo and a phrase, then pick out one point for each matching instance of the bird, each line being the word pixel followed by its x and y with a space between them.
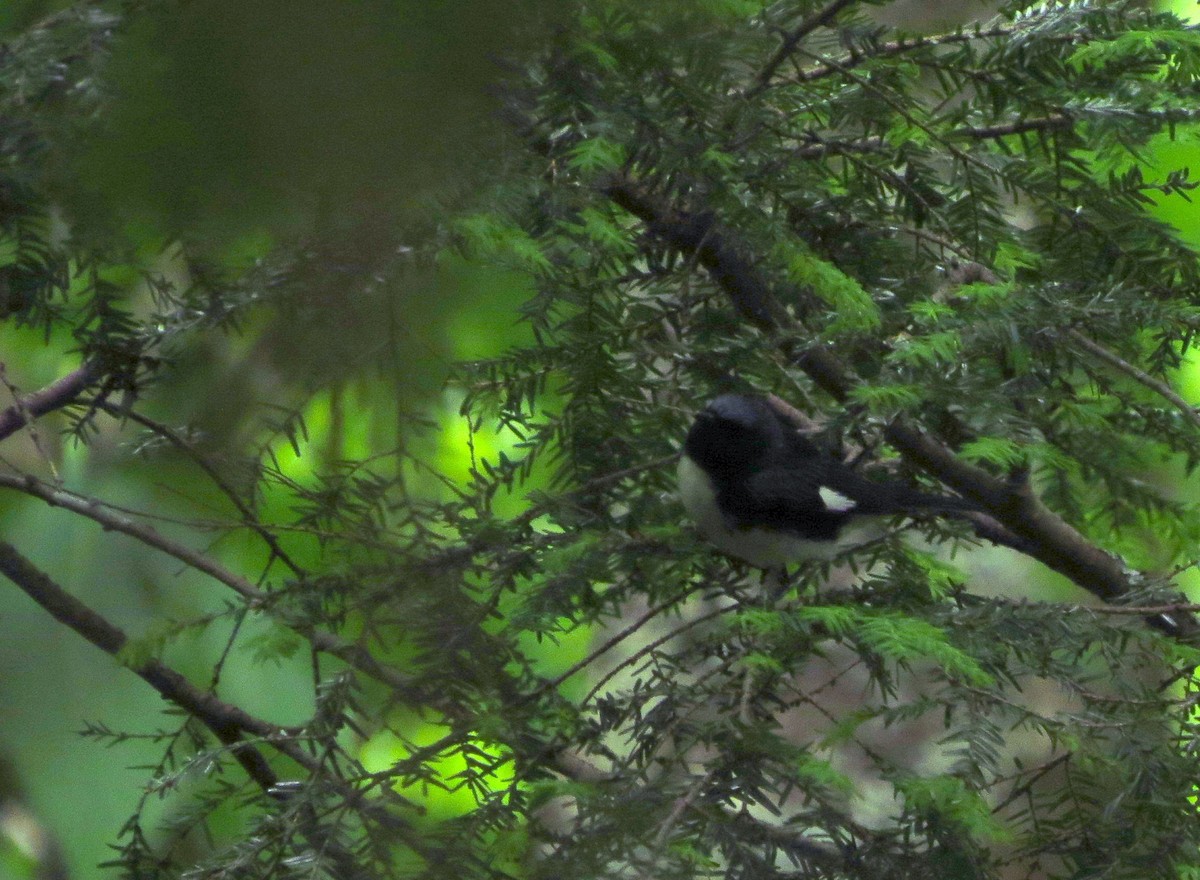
pixel 759 490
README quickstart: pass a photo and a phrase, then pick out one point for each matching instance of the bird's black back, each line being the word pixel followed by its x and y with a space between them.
pixel 767 474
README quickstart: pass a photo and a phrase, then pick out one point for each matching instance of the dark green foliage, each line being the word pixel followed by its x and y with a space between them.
pixel 702 195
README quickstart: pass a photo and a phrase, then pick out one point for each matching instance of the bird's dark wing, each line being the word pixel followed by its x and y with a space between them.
pixel 786 499
pixel 869 497
pixel 879 499
pixel 819 495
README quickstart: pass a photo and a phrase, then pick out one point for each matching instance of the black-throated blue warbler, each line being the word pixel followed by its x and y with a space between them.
pixel 761 491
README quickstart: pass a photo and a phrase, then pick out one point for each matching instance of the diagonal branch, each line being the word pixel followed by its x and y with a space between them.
pixel 821 18
pixel 1044 535
pixel 353 655
pixel 56 395
pixel 228 723
pixel 180 443
pixel 1162 389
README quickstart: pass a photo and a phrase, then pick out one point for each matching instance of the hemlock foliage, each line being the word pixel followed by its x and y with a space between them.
pixel 943 248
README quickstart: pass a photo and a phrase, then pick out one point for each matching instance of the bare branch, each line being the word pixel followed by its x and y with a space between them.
pixel 1138 375
pixel 353 655
pixel 821 18
pixel 56 395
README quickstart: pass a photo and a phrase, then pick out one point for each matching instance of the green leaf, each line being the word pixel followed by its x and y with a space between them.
pixel 854 309
pixel 839 620
pixel 934 349
pixel 602 228
pixel 983 294
pixel 930 311
pixel 906 639
pixel 999 451
pixel 1136 46
pixel 817 771
pixel 1011 256
pixel 491 237
pixel 947 799
pixel 942 577
pixel 595 155
pixel 888 398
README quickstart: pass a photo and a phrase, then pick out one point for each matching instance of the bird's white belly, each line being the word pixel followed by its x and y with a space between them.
pixel 760 547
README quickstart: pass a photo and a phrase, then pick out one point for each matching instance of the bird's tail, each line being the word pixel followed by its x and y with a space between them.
pixel 914 501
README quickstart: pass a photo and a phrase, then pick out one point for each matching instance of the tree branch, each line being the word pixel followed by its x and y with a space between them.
pixel 56 395
pixel 1043 534
pixel 1138 375
pixel 696 233
pixel 1053 122
pixel 228 723
pixel 172 437
pixel 353 655
pixel 909 44
pixel 820 18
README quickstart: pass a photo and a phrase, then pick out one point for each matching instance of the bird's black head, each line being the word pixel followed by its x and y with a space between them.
pixel 734 435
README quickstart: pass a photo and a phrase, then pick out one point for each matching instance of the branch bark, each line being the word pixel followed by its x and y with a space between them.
pixel 910 44
pixel 1162 389
pixel 1042 534
pixel 228 723
pixel 56 395
pixel 353 655
pixel 821 18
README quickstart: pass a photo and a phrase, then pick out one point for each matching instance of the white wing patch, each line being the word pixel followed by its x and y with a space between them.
pixel 835 501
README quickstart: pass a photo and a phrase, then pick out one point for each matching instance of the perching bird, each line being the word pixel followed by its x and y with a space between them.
pixel 760 491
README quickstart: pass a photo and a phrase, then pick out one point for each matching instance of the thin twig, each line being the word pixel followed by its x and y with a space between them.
pixel 1136 610
pixel 909 44
pixel 171 436
pixel 353 655
pixel 820 18
pixel 56 395
pixel 1027 786
pixel 653 646
pixel 607 646
pixel 790 839
pixel 681 806
pixel 19 403
pixel 96 510
pixel 1053 122
pixel 227 722
pixel 1138 375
